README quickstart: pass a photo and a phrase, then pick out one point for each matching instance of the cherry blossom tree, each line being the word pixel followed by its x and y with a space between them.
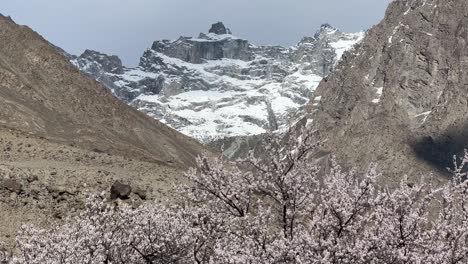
pixel 105 234
pixel 277 207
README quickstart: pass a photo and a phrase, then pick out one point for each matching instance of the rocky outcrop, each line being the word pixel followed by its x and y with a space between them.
pixel 206 47
pixel 219 43
pixel 400 97
pixel 101 61
pixel 219 29
pixel 218 85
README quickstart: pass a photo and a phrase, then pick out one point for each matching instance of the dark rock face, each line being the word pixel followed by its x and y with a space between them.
pixel 219 29
pixel 111 64
pixel 205 47
pixel 400 99
pixel 120 190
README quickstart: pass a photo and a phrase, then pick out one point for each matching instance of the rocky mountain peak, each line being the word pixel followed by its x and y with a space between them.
pixel 219 29
pixel 319 51
pixel 325 30
pixel 327 26
pixel 216 45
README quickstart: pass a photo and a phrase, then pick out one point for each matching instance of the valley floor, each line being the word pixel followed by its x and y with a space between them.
pixel 41 181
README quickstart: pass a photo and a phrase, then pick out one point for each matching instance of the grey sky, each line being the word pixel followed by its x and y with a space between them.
pixel 127 27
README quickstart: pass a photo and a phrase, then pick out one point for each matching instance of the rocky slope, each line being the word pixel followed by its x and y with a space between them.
pixel 63 135
pixel 43 94
pixel 42 182
pixel 218 85
pixel 400 98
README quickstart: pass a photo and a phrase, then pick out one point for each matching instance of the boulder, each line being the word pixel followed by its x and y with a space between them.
pixel 120 190
pixel 140 193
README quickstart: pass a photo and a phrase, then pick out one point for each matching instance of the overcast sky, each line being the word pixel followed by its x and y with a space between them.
pixel 127 27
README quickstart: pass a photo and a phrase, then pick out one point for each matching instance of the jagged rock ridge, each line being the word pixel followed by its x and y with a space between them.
pixel 400 98
pixel 218 85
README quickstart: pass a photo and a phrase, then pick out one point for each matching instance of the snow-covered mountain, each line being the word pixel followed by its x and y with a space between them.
pixel 218 85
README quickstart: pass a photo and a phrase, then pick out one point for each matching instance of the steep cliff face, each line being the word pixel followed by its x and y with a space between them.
pixel 103 62
pixel 209 46
pixel 400 97
pixel 218 85
pixel 43 94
